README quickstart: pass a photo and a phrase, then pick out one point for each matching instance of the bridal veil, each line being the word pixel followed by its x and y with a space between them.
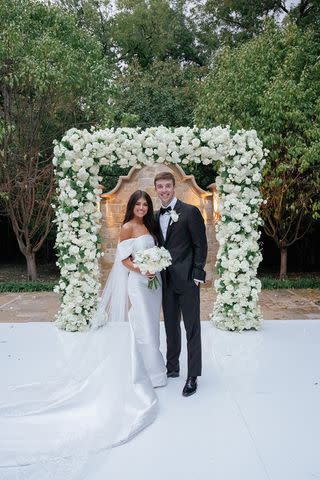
pixel 98 396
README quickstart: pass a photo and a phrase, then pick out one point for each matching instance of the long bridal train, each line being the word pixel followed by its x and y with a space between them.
pixel 101 393
pixel 104 403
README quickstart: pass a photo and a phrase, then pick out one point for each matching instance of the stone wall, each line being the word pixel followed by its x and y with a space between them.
pixel 113 205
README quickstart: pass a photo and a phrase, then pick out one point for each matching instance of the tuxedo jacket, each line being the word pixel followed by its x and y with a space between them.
pixel 187 243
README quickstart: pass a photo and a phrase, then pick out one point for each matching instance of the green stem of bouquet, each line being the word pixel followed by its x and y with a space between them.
pixel 154 283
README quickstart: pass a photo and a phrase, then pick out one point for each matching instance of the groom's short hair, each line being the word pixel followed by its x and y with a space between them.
pixel 164 176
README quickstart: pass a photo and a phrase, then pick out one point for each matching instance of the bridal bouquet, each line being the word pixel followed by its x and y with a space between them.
pixel 153 260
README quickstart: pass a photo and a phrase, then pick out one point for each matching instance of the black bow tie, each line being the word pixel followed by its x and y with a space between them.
pixel 165 210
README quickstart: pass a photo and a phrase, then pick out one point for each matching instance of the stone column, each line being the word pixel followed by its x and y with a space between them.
pixel 215 219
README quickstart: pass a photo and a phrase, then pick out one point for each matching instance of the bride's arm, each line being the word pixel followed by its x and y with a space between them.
pixel 130 265
pixel 126 233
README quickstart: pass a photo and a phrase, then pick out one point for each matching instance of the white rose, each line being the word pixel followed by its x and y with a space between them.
pixel 90 196
pixel 71 193
pixel 149 152
pixel 174 216
pixel 74 250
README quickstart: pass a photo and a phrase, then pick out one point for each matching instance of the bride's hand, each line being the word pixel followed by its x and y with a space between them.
pixel 150 276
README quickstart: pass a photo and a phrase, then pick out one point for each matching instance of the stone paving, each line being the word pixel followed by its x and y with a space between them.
pixel 275 304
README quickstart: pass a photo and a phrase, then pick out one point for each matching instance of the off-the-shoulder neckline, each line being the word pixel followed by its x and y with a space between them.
pixel 134 238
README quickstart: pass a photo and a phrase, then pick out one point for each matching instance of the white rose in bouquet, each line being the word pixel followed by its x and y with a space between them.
pixel 153 260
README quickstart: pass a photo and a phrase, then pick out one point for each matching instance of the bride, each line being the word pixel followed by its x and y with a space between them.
pixel 137 233
pixel 104 394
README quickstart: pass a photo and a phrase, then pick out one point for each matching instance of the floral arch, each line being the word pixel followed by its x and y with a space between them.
pixel 77 160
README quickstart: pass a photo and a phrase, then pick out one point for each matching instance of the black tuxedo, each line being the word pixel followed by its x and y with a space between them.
pixel 187 243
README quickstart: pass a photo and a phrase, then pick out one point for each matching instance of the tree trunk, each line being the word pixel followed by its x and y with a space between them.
pixel 283 263
pixel 31 265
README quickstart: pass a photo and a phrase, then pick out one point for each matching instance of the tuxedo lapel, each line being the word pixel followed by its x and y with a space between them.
pixel 159 227
pixel 171 225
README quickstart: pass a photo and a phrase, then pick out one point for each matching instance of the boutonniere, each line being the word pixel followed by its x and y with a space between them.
pixel 174 216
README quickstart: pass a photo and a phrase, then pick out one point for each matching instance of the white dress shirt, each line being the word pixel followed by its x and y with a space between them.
pixel 165 217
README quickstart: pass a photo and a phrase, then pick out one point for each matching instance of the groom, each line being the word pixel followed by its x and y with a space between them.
pixel 181 230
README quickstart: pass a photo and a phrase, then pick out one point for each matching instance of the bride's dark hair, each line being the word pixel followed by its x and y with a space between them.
pixel 148 219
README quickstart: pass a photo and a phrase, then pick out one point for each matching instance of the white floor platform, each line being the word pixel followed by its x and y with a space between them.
pixel 256 415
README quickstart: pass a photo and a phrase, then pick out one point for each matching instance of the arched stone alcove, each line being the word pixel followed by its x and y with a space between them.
pixel 113 206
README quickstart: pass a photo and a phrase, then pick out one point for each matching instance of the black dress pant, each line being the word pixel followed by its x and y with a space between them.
pixel 186 301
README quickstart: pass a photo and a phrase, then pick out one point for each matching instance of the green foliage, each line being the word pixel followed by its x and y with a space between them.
pixel 53 76
pixel 94 18
pixel 232 22
pixel 57 70
pixel 271 83
pixel 165 93
pixel 46 59
pixel 232 91
pixel 306 13
pixel 149 30
pixel 110 176
pixel 204 175
pixel 269 283
pixel 26 287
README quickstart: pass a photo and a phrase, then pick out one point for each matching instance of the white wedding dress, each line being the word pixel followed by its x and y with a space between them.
pixel 102 396
pixel 144 314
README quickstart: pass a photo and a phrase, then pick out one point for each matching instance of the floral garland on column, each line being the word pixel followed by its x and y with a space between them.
pixel 77 220
pixel 77 159
pixel 239 255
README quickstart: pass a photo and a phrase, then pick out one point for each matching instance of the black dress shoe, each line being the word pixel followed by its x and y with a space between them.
pixel 173 374
pixel 190 387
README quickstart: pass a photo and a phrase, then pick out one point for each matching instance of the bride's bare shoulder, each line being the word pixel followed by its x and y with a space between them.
pixel 126 231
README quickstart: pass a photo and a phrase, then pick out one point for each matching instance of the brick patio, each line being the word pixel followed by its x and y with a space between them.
pixel 275 304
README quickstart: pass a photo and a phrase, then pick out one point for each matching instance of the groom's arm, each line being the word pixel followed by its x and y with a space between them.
pixel 197 231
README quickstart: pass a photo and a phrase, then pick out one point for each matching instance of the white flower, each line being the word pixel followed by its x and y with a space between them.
pixel 149 152
pixel 153 259
pixel 241 157
pixel 74 250
pixel 66 164
pixel 174 215
pixel 90 196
